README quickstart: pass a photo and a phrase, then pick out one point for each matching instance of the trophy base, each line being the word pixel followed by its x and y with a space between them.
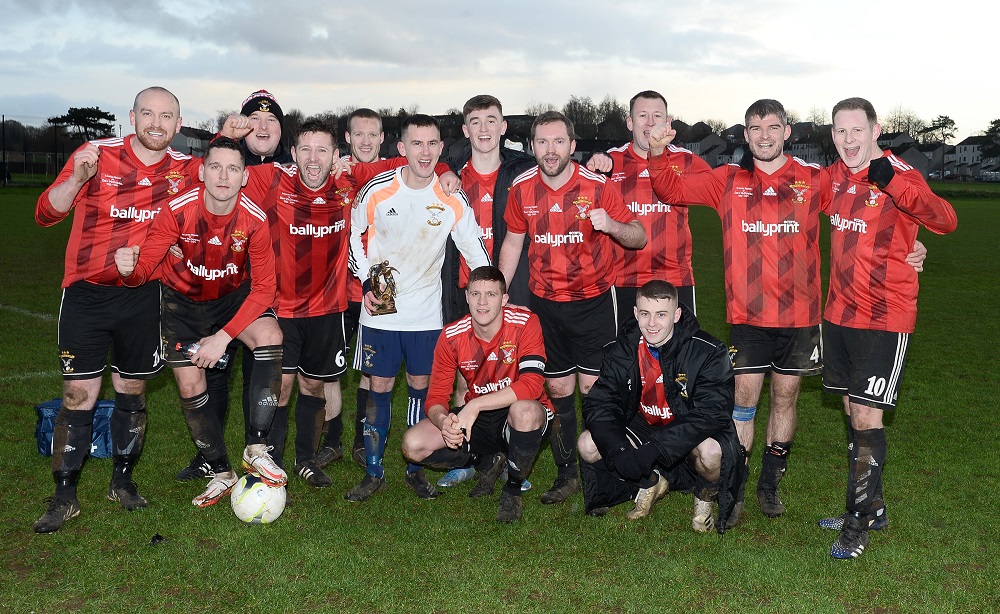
pixel 384 309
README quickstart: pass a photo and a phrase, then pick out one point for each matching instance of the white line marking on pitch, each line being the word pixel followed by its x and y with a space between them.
pixel 41 316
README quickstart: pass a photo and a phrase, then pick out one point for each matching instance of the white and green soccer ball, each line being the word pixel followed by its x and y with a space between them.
pixel 254 502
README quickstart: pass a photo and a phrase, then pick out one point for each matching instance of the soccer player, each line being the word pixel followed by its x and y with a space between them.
pixel 667 254
pixel 499 352
pixel 877 204
pixel 487 171
pixel 572 216
pixel 670 430
pixel 407 218
pixel 221 289
pixel 308 211
pixel 261 144
pixel 118 186
pixel 769 206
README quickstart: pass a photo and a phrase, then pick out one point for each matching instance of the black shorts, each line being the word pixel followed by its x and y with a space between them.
pixel 576 332
pixel 788 351
pixel 314 347
pixel 865 365
pixel 186 321
pixel 94 319
pixel 491 433
pixel 627 296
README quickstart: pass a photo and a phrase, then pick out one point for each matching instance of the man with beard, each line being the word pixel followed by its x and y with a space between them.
pixel 222 288
pixel 572 217
pixel 118 186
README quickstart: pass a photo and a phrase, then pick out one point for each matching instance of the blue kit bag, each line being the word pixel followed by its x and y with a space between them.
pixel 101 436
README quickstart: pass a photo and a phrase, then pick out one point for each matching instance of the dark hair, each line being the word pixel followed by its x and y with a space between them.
pixel 419 120
pixel 551 117
pixel 764 107
pixel 650 94
pixel 856 104
pixel 364 113
pixel 224 142
pixel 657 290
pixel 316 125
pixel 488 273
pixel 480 103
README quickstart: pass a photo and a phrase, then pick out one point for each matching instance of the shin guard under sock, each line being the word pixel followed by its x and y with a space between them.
pixel 378 416
pixel 217 383
pixel 564 435
pixel 71 441
pixel 309 412
pixel 128 433
pixel 265 384
pixel 868 463
pixel 774 463
pixel 206 432
pixel 522 450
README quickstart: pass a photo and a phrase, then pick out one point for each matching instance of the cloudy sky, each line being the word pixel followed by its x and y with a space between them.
pixel 710 58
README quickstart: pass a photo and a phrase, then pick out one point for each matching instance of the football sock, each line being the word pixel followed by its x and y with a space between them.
pixel 446 459
pixel 378 416
pixel 774 463
pixel 277 437
pixel 265 384
pixel 522 450
pixel 308 421
pixel 247 371
pixel 128 432
pixel 334 428
pixel 852 447
pixel 217 381
pixel 71 440
pixel 564 435
pixel 206 432
pixel 705 490
pixel 359 417
pixel 868 462
pixel 414 414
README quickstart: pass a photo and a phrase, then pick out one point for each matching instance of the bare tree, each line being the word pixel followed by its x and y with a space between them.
pixel 718 126
pixel 537 108
pixel 903 119
pixel 818 116
pixel 581 110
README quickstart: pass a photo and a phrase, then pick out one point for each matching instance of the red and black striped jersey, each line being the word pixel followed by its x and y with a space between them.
pixel 310 231
pixel 770 235
pixel 514 357
pixel 220 253
pixel 568 260
pixel 667 254
pixel 479 189
pixel 872 231
pixel 116 207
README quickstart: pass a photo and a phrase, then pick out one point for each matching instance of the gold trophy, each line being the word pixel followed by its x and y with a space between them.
pixel 383 287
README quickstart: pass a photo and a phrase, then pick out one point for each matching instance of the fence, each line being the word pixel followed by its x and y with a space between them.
pixel 33 166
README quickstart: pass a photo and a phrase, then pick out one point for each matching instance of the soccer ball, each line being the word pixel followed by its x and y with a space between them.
pixel 254 502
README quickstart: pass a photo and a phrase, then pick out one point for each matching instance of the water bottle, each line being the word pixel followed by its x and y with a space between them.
pixel 189 349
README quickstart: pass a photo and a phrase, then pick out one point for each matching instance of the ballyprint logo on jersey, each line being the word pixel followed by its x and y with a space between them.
pixel 239 241
pixel 800 187
pixel 435 212
pixel 487 233
pixel 131 213
pixel 174 179
pixel 200 270
pixel 856 225
pixel 641 209
pixel 491 386
pixel 318 232
pixel 660 413
pixel 557 240
pixel 759 227
pixel 583 205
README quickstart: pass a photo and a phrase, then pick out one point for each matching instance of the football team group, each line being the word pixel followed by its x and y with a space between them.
pixel 495 277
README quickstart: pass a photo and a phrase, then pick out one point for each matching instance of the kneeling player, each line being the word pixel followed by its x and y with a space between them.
pixel 220 289
pixel 672 428
pixel 499 352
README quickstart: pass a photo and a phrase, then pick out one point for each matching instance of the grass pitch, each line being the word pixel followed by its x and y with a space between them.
pixel 398 553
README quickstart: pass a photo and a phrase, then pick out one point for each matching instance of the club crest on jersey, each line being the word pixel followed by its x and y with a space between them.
pixel 673 167
pixel 873 195
pixel 799 187
pixel 435 212
pixel 508 348
pixel 175 179
pixel 682 384
pixel 67 361
pixel 583 205
pixel 239 241
pixel 345 196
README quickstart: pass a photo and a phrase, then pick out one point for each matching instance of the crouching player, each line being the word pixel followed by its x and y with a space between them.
pixel 660 415
pixel 222 288
pixel 500 353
